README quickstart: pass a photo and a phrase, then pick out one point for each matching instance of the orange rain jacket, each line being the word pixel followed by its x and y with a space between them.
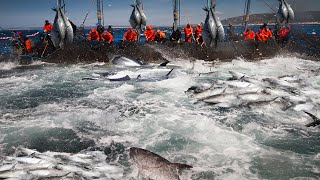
pixel 93 35
pixel 188 33
pixel 149 33
pixel 130 35
pixel 27 43
pixel 47 27
pixel 197 32
pixel 107 36
pixel 263 34
pixel 282 33
pixel 248 35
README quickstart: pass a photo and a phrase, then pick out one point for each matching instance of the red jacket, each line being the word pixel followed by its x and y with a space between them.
pixel 149 33
pixel 93 35
pixel 282 33
pixel 47 27
pixel 248 34
pixel 130 35
pixel 188 33
pixel 107 36
pixel 197 31
pixel 263 34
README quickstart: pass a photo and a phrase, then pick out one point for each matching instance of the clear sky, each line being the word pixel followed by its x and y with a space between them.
pixel 32 13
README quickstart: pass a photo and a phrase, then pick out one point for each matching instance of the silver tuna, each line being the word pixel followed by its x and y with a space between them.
pixel 213 30
pixel 58 31
pixel 285 12
pixel 153 166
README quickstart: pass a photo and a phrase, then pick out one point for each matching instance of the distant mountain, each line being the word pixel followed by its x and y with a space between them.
pixel 300 17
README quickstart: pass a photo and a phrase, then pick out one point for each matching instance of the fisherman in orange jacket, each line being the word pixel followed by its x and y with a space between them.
pixel 93 35
pixel 25 41
pixel 130 35
pixel 107 36
pixel 197 33
pixel 47 26
pixel 248 34
pixel 149 33
pixel 159 36
pixel 188 33
pixel 264 33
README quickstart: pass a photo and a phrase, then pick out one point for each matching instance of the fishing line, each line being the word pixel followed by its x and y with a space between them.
pixel 87 13
pixel 269 6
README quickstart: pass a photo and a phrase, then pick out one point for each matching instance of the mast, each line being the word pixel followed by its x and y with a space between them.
pixel 99 11
pixel 247 13
pixel 102 12
pixel 176 12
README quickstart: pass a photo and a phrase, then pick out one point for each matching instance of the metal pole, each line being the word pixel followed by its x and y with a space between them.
pixel 99 11
pixel 176 14
pixel 102 11
pixel 179 13
pixel 247 14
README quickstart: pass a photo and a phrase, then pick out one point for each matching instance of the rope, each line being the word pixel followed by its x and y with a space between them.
pixel 185 10
pixel 87 13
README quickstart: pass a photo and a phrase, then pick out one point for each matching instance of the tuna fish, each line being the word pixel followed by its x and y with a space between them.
pixel 62 30
pixel 153 166
pixel 135 18
pixel 285 12
pixel 213 30
pixel 58 31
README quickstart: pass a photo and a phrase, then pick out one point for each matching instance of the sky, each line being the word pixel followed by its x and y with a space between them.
pixel 32 13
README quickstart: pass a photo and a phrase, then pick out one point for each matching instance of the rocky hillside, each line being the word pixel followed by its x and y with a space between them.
pixel 300 17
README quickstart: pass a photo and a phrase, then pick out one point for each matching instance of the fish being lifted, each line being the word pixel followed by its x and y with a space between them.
pixel 153 166
pixel 213 30
pixel 137 18
pixel 62 30
pixel 285 12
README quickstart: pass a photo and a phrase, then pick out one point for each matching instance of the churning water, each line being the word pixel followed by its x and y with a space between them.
pixel 83 128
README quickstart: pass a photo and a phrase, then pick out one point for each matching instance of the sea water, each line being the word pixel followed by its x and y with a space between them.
pixel 87 126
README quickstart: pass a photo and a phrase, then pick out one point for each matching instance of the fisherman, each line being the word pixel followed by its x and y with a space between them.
pixel 160 36
pixel 130 35
pixel 282 35
pixel 197 33
pixel 110 30
pixel 175 35
pixel 47 27
pixel 231 33
pixel 93 35
pixel 26 43
pixel 149 33
pixel 188 33
pixel 107 37
pixel 264 33
pixel 248 34
pixel 100 29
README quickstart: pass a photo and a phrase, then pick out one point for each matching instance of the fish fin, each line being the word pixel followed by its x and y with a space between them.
pixel 169 72
pixel 164 63
pixel 182 166
pixel 312 116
